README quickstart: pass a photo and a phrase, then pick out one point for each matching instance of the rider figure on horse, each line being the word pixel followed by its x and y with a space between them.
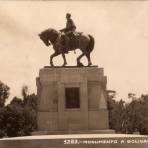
pixel 69 31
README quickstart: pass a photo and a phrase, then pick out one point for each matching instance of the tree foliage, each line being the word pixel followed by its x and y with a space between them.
pixel 19 117
pixel 4 93
pixel 131 117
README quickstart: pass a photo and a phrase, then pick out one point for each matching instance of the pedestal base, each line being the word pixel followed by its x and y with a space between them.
pixel 72 99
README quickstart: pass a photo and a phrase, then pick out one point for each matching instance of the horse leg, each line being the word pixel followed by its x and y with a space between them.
pixel 88 58
pixel 51 57
pixel 64 58
pixel 78 60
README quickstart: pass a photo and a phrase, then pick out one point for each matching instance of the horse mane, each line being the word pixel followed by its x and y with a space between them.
pixel 49 33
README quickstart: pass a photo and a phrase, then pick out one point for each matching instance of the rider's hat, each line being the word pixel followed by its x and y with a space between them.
pixel 68 14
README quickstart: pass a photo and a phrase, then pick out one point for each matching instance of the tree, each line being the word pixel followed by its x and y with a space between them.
pixel 2 122
pixel 25 92
pixel 30 110
pixel 111 103
pixel 14 118
pixel 21 117
pixel 4 93
pixel 30 113
pixel 143 115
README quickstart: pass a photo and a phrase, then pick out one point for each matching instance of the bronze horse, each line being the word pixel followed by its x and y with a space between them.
pixel 84 42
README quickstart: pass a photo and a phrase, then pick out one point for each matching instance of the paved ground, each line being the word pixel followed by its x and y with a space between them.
pixel 76 136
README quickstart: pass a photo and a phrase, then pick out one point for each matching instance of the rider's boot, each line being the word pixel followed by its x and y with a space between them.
pixel 72 38
pixel 66 44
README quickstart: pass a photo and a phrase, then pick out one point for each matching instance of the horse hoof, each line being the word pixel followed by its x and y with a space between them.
pixel 79 64
pixel 51 64
pixel 89 64
pixel 64 65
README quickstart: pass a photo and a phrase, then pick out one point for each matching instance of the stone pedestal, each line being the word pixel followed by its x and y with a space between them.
pixel 72 99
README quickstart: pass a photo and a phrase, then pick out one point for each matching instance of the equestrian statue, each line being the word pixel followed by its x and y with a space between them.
pixel 67 39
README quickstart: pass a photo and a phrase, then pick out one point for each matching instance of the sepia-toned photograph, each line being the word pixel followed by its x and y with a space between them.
pixel 73 74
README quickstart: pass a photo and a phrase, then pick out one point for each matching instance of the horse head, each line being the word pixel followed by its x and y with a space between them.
pixel 48 36
pixel 44 39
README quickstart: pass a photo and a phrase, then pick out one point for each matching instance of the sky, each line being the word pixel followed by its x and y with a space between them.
pixel 120 29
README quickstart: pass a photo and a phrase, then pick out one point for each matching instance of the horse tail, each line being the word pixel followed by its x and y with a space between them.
pixel 91 44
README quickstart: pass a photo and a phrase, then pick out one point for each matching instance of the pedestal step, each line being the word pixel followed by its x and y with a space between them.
pixel 107 131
